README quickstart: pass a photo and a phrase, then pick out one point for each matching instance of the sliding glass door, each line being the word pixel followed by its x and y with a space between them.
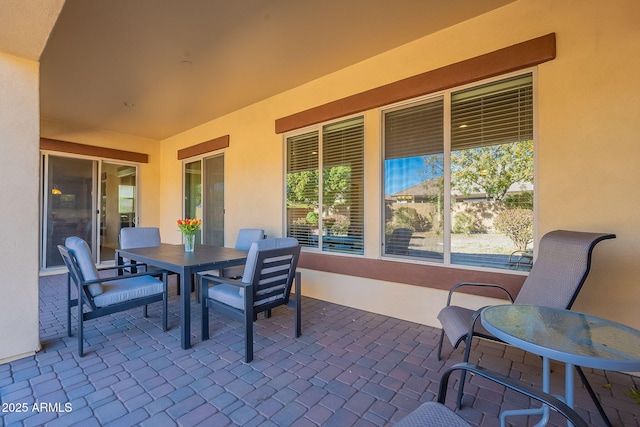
pixel 117 205
pixel 204 197
pixel 214 201
pixel 87 198
pixel 69 203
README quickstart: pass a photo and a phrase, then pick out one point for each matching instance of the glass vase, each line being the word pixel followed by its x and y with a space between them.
pixel 189 242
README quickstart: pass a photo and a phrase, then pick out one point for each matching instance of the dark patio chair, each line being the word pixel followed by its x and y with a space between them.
pixel 266 283
pixel 102 296
pixel 246 236
pixel 557 275
pixel 398 243
pixel 436 414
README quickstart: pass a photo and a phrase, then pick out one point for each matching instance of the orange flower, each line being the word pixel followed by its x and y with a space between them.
pixel 189 226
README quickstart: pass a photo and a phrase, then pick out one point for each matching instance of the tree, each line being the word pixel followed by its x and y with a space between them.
pixel 302 187
pixel 492 169
pixel 336 183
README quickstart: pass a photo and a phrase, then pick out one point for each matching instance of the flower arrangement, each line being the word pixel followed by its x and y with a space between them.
pixel 189 226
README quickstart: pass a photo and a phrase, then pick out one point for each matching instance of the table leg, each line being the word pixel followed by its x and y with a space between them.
pixel 544 410
pixel 185 309
pixel 568 386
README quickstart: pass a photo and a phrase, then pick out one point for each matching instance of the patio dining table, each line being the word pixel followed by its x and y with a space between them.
pixel 173 258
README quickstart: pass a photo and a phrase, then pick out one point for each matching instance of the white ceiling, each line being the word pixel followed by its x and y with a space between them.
pixel 183 63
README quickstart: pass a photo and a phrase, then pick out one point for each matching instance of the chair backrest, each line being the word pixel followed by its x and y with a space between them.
pixel 139 237
pixel 77 257
pixel 271 267
pixel 561 268
pixel 246 236
pixel 399 241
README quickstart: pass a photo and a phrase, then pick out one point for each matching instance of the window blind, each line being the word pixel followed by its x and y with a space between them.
pixel 343 183
pixel 495 113
pixel 302 185
pixel 414 131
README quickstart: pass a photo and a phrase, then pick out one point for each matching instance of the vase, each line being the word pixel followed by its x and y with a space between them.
pixel 189 242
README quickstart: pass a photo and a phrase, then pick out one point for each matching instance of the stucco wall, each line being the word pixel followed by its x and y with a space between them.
pixel 588 108
pixel 19 172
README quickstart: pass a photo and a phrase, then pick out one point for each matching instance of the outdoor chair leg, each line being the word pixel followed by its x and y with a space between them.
pixel 69 305
pixel 595 399
pixel 439 354
pixel 463 374
pixel 298 296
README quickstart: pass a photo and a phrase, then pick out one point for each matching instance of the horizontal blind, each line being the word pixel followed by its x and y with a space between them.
pixel 302 152
pixel 343 182
pixel 495 113
pixel 414 131
pixel 302 185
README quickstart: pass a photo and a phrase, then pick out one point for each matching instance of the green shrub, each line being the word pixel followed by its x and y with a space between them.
pixel 312 218
pixel 410 218
pixel 464 223
pixel 517 225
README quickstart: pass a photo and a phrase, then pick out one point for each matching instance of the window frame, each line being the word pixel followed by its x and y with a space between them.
pixel 319 129
pixel 446 95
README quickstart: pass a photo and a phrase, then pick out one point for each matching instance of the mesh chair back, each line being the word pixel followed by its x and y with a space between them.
pixel 561 268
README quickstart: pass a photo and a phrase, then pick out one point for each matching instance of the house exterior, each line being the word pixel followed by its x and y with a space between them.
pixel 586 154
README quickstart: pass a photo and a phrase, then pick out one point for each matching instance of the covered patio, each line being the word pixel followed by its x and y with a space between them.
pixel 367 352
pixel 349 368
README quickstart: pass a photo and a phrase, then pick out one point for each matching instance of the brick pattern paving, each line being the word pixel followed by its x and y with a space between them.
pixel 349 368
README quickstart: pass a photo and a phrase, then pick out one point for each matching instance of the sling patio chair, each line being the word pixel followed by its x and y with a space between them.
pixel 557 275
pixel 101 296
pixel 266 283
pixel 436 414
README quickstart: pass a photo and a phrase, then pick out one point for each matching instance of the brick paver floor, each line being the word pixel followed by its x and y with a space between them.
pixel 349 368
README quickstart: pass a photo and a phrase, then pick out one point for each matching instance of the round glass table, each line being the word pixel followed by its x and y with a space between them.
pixel 566 336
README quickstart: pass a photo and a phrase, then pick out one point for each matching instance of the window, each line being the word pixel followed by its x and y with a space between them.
pixel 326 210
pixel 462 196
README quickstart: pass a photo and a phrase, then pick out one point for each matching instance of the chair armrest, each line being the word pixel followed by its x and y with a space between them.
pixel 142 264
pixel 222 280
pixel 128 276
pixel 487 285
pixel 525 389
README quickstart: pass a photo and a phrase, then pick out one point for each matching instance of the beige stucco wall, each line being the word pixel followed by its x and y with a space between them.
pixel 588 110
pixel 19 172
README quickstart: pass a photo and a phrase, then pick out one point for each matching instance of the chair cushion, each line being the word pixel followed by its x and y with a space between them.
pixel 246 236
pixel 81 251
pixel 228 294
pixel 127 289
pixel 432 414
pixel 139 237
pixel 282 242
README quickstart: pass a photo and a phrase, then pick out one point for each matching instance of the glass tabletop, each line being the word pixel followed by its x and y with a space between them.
pixel 566 335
